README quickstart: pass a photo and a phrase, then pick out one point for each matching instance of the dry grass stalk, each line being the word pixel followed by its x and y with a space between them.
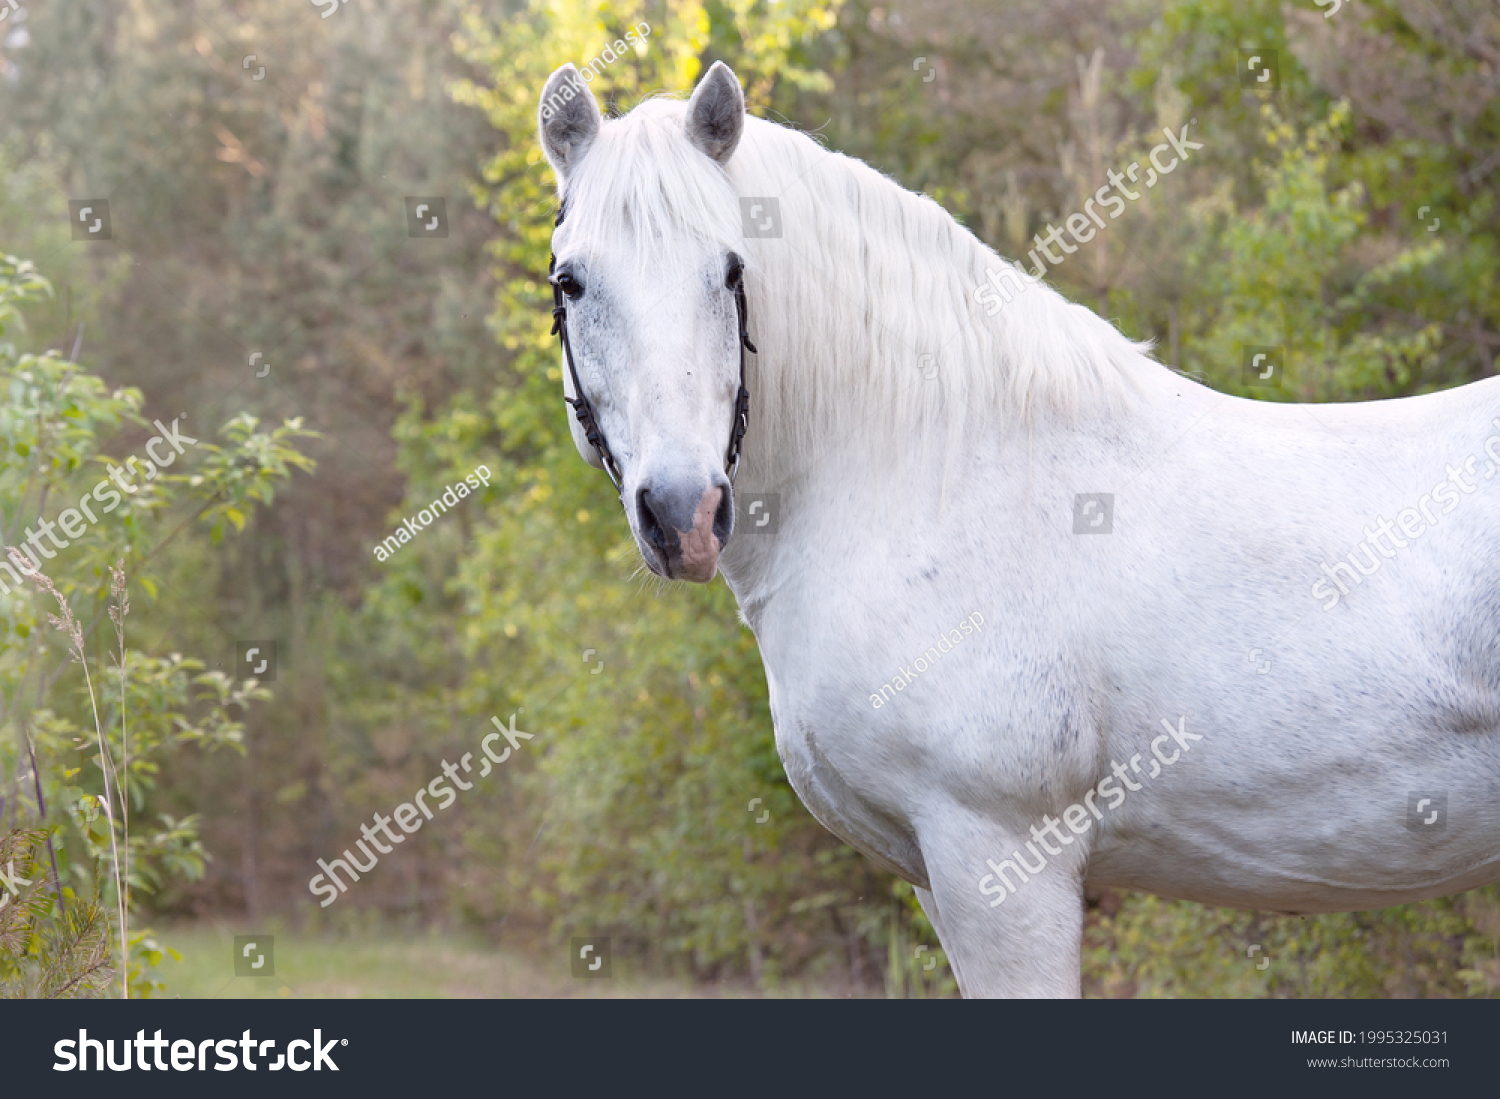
pixel 66 624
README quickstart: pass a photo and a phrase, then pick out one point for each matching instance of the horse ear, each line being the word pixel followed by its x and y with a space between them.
pixel 568 119
pixel 716 113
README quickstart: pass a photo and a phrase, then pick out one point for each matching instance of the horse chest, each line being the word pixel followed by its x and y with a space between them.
pixel 838 775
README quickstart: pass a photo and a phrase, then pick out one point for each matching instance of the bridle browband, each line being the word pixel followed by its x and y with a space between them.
pixel 585 411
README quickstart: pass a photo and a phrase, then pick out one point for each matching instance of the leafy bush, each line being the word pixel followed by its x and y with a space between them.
pixel 85 766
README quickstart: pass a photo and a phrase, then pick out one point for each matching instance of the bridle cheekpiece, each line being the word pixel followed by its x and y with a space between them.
pixel 584 411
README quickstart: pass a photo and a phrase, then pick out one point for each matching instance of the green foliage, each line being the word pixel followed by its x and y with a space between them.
pixel 232 479
pixel 54 424
pixel 171 702
pixel 1361 213
pixel 51 946
pixel 1281 274
pixel 1150 947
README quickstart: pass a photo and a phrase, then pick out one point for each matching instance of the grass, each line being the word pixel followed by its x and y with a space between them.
pixel 409 965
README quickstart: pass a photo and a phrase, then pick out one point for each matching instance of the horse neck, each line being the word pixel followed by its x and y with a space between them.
pixel 851 318
pixel 876 359
pixel 851 328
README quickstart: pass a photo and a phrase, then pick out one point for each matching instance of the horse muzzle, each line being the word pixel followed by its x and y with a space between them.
pixel 683 530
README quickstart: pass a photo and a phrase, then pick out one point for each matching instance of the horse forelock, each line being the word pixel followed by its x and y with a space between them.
pixel 644 190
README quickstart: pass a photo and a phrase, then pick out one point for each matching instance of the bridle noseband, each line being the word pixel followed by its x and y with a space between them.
pixel 585 411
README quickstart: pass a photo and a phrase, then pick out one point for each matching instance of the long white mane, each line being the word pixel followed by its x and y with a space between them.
pixel 864 307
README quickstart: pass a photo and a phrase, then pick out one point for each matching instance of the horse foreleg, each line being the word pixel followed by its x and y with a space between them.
pixel 934 917
pixel 1029 944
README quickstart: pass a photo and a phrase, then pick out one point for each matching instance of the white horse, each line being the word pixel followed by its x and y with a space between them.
pixel 1038 615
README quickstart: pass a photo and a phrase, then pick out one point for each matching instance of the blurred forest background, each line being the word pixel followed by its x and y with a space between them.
pixel 260 281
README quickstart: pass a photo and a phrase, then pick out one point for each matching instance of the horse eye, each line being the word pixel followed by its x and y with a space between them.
pixel 569 285
pixel 735 273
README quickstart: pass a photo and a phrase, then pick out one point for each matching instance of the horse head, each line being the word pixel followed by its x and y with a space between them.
pixel 650 304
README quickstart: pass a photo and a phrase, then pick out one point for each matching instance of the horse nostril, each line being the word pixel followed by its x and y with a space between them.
pixel 724 516
pixel 651 527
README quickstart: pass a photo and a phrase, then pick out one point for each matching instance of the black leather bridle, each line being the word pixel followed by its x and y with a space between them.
pixel 585 411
